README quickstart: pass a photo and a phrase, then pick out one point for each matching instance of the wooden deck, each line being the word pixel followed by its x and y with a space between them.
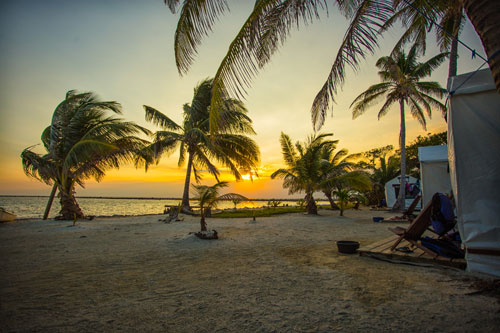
pixel 382 250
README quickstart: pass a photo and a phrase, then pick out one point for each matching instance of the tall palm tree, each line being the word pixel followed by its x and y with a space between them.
pixel 208 197
pixel 271 21
pixel 230 146
pixel 401 76
pixel 304 166
pixel 82 142
pixel 341 171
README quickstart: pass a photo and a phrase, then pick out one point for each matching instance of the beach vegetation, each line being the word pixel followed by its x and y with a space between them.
pixel 401 75
pixel 83 141
pixel 208 197
pixel 230 146
pixel 341 172
pixel 273 203
pixel 346 196
pixel 304 166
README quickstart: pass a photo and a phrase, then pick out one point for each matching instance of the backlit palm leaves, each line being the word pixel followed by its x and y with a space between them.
pixel 83 142
pixel 400 75
pixel 269 24
pixel 304 166
pixel 230 146
pixel 264 31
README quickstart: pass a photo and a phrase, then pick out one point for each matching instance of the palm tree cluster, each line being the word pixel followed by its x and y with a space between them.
pixel 82 142
pixel 314 166
pixel 230 146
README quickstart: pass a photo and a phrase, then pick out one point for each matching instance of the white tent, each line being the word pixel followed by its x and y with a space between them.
pixel 434 171
pixel 392 190
pixel 474 156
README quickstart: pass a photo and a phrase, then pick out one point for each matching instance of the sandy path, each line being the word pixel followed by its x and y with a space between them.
pixel 279 274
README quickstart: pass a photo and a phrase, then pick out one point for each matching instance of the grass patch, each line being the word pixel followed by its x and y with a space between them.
pixel 261 212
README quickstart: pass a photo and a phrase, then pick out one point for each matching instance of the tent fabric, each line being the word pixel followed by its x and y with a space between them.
pixel 390 192
pixel 474 157
pixel 434 171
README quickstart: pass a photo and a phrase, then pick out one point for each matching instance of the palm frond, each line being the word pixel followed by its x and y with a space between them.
pixel 159 119
pixel 195 22
pixel 359 40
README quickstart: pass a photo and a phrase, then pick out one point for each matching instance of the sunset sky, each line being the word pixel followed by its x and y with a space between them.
pixel 123 51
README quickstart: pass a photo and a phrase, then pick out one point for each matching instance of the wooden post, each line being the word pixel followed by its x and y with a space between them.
pixel 49 204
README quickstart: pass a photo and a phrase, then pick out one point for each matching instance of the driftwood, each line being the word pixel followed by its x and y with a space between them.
pixel 207 234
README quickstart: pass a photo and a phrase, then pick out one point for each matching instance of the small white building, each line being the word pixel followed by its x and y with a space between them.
pixel 392 191
pixel 434 171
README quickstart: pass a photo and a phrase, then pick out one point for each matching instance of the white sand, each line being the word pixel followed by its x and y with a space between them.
pixel 279 274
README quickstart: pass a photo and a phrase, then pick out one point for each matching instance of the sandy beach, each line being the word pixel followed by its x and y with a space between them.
pixel 279 274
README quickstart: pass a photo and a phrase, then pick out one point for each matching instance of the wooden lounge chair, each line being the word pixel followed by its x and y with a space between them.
pixel 415 230
pixel 408 214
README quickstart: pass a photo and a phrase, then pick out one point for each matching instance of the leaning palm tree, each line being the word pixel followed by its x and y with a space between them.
pixel 271 21
pixel 82 142
pixel 208 197
pixel 230 146
pixel 401 75
pixel 304 166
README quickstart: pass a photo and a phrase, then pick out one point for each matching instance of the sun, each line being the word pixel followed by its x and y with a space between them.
pixel 245 177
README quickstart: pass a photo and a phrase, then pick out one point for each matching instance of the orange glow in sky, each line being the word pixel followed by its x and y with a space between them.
pixel 92 46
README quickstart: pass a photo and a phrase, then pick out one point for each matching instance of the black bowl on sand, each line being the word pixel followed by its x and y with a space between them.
pixel 347 246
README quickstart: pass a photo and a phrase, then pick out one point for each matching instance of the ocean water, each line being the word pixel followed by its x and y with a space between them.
pixel 33 207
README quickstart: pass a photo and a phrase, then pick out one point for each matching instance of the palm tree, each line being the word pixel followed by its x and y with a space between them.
pixel 83 142
pixel 271 21
pixel 346 195
pixel 388 169
pixel 208 197
pixel 230 146
pixel 340 171
pixel 401 75
pixel 304 166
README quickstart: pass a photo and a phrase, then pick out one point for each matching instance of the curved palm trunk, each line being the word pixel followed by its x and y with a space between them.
pixel 333 205
pixel 70 210
pixel 484 16
pixel 400 203
pixel 185 207
pixel 311 204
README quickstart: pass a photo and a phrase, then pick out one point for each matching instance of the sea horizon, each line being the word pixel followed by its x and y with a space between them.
pixel 33 206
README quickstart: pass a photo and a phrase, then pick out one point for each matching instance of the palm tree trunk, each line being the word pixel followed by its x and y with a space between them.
pixel 185 207
pixel 49 203
pixel 453 65
pixel 484 16
pixel 333 205
pixel 70 210
pixel 400 202
pixel 311 204
pixel 202 220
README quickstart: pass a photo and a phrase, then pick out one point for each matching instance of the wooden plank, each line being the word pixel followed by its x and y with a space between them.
pixel 384 241
pixel 383 249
